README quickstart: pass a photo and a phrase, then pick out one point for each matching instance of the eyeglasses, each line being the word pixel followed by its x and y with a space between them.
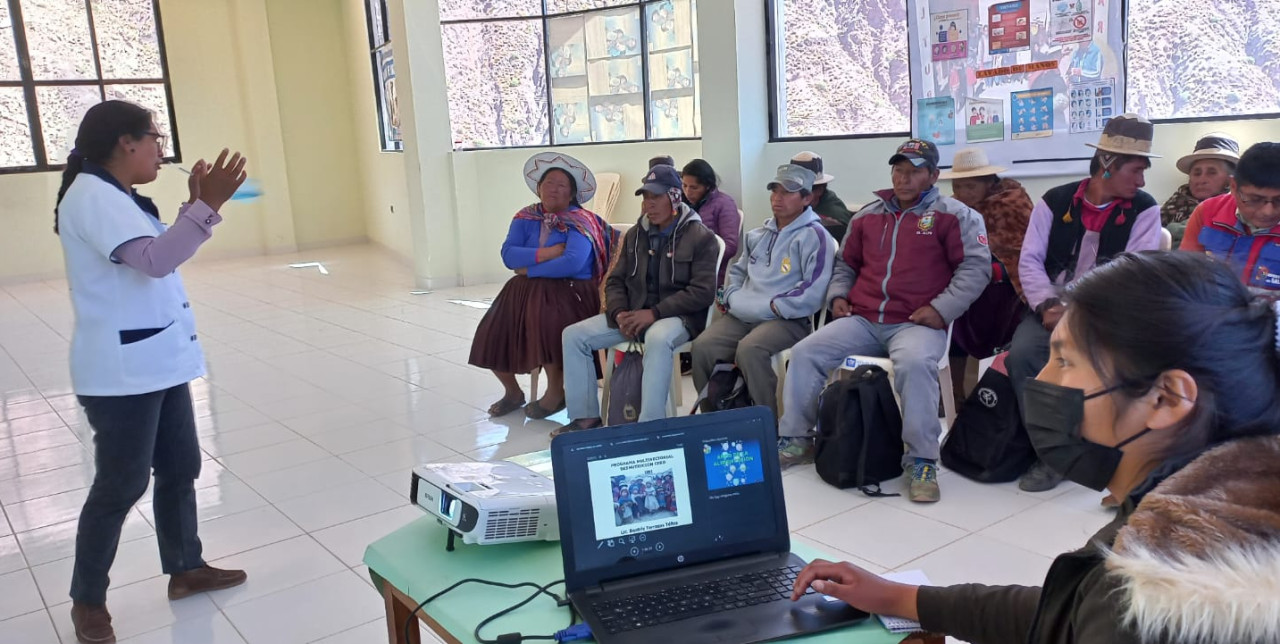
pixel 1256 201
pixel 160 138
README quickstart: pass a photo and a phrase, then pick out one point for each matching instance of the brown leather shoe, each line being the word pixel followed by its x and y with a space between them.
pixel 203 580
pixel 93 623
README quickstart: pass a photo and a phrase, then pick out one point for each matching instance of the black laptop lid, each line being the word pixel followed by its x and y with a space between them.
pixel 665 494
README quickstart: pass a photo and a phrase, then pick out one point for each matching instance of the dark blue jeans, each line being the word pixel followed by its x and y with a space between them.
pixel 132 436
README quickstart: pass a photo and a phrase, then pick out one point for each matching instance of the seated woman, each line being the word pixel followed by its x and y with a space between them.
pixel 1005 208
pixel 717 209
pixel 559 251
pixel 1209 168
pixel 1162 387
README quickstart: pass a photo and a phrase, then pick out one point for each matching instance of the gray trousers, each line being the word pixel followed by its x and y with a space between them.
pixel 751 347
pixel 915 351
pixel 1028 353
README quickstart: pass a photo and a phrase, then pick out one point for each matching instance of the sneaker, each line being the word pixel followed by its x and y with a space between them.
pixel 1040 478
pixel 203 580
pixel 92 623
pixel 795 450
pixel 923 487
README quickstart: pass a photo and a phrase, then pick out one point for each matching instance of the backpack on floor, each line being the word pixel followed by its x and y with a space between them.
pixel 987 442
pixel 859 442
pixel 726 389
pixel 625 387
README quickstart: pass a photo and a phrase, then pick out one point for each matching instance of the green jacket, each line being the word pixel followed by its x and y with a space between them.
pixel 835 216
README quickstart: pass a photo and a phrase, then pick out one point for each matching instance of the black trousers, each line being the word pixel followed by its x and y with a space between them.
pixel 133 436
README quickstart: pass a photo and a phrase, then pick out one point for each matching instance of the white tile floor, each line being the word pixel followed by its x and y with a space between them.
pixel 323 391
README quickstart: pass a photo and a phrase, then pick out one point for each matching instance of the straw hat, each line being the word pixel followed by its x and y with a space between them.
pixel 970 162
pixel 1211 146
pixel 540 163
pixel 1127 134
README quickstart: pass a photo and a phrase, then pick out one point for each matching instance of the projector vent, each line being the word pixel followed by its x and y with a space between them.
pixel 509 524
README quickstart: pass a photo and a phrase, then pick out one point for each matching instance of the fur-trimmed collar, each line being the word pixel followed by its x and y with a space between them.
pixel 1199 559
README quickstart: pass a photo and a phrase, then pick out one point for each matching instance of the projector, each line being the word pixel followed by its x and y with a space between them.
pixel 487 503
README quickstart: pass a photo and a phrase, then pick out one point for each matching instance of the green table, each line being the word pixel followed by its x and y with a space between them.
pixel 411 564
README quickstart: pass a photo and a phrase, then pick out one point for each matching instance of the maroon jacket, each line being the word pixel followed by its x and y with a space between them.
pixel 896 261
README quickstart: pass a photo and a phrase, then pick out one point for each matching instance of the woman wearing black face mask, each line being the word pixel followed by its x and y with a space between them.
pixel 1162 388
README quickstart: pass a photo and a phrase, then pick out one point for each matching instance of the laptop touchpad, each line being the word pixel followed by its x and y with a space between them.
pixel 728 630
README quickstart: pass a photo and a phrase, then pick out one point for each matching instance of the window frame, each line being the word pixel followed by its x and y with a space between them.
pixel 376 46
pixel 28 84
pixel 772 49
pixel 545 17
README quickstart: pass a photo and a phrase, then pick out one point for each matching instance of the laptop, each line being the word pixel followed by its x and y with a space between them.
pixel 676 530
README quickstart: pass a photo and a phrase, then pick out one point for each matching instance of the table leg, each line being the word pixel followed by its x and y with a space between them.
pixel 397 613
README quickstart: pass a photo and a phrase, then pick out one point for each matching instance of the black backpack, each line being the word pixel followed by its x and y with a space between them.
pixel 625 387
pixel 987 442
pixel 859 441
pixel 726 389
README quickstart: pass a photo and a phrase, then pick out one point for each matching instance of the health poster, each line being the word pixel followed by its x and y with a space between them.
pixel 1092 105
pixel 1009 26
pixel 1031 114
pixel 936 120
pixel 984 120
pixel 950 35
pixel 1070 20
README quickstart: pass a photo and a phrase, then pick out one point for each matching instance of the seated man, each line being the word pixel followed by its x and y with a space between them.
pixel 911 263
pixel 831 210
pixel 658 294
pixel 774 288
pixel 1073 229
pixel 1243 226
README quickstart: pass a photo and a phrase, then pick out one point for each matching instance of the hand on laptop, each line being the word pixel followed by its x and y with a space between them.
pixel 858 588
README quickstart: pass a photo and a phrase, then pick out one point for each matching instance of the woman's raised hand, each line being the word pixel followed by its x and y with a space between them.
pixel 221 180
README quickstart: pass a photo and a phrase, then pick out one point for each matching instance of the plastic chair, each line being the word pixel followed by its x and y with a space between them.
pixel 675 397
pixel 608 187
pixel 781 358
pixel 944 376
pixel 1166 239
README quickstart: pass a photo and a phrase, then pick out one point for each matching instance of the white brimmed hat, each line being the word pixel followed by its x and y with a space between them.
pixel 540 163
pixel 813 163
pixel 970 162
pixel 1127 134
pixel 1211 146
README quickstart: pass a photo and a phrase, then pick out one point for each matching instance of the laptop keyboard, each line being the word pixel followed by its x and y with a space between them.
pixel 683 602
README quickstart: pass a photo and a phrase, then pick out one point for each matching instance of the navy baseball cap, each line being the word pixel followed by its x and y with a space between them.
pixel 659 180
pixel 918 152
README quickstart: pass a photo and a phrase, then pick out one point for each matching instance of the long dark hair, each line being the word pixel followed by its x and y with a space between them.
pixel 702 171
pixel 100 130
pixel 1142 314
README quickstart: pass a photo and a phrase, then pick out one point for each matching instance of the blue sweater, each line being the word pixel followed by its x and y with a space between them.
pixel 520 250
pixel 781 273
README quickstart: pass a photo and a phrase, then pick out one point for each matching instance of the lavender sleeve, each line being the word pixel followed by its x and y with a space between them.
pixel 1036 285
pixel 160 255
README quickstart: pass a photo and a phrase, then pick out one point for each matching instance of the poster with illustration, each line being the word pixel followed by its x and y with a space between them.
pixel 669 24
pixel 1031 114
pixel 1070 20
pixel 1092 105
pixel 984 120
pixel 671 117
pixel 672 70
pixel 567 45
pixel 1009 26
pixel 613 34
pixel 936 120
pixel 570 120
pixel 614 76
pixel 950 34
pixel 616 118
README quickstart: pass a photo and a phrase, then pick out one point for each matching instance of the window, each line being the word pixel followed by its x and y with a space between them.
pixel 384 76
pixel 839 68
pixel 1207 58
pixel 561 72
pixel 58 58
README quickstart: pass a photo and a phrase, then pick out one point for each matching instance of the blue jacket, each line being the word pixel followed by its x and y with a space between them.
pixel 520 250
pixel 781 273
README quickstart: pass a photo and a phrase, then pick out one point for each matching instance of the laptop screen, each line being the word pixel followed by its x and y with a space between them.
pixel 666 494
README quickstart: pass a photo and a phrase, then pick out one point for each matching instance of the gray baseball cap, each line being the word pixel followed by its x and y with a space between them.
pixel 793 178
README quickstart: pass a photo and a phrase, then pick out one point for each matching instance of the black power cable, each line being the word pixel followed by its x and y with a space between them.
pixel 508 638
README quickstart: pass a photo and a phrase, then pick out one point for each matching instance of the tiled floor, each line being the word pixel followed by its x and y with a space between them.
pixel 323 391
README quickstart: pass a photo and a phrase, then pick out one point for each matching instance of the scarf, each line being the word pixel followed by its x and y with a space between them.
pixel 1179 206
pixel 601 234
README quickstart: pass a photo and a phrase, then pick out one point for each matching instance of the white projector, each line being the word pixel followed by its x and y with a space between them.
pixel 488 503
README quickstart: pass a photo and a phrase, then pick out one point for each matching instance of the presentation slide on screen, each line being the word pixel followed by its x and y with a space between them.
pixel 639 493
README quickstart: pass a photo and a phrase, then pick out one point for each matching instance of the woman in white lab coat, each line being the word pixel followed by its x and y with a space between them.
pixel 134 349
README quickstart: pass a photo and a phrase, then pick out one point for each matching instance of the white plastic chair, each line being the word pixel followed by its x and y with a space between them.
pixel 781 358
pixel 1166 239
pixel 944 376
pixel 608 187
pixel 675 397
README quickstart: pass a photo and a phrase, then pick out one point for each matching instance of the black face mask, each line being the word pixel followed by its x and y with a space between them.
pixel 1053 415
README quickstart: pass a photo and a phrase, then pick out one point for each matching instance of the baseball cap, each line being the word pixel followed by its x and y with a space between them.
pixel 793 178
pixel 918 152
pixel 659 180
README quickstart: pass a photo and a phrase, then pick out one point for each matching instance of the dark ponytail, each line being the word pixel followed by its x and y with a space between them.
pixel 100 131
pixel 1146 313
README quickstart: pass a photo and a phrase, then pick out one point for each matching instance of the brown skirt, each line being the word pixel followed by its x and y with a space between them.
pixel 523 328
